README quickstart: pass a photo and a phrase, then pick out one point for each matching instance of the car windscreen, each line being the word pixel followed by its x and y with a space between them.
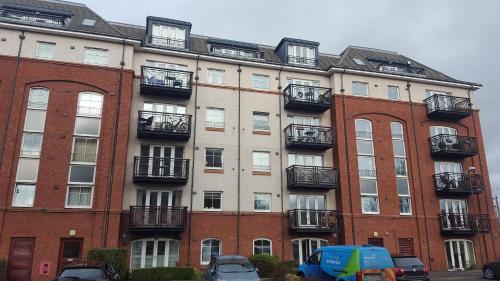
pixel 82 273
pixel 375 259
pixel 407 262
pixel 236 266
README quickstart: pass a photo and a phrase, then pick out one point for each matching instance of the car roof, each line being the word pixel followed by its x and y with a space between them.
pixel 400 257
pixel 350 247
pixel 225 259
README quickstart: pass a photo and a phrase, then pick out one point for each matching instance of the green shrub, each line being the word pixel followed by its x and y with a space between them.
pixel 114 257
pixel 284 269
pixel 3 269
pixel 265 263
pixel 163 274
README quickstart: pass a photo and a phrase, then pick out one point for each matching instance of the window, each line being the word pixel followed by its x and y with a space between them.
pixel 215 76
pixel 87 126
pixel 215 117
pixel 84 150
pixel 95 56
pixel 376 242
pixel 301 55
pixel 212 201
pixel 168 36
pixel 393 92
pixel 32 17
pixel 222 50
pixel 366 167
pixel 209 248
pixel 262 246
pixel 402 183
pixel 159 252
pixel 459 254
pixel 262 202
pixel 38 98
pixel 303 248
pixel 45 50
pixel 24 195
pixel 358 61
pixel 89 104
pixel 35 120
pixel 27 170
pixel 261 121
pixel 31 145
pixel 261 161
pixel 213 158
pixel 260 82
pixel 309 202
pixel 81 174
pixel 79 197
pixel 360 89
pixel 88 22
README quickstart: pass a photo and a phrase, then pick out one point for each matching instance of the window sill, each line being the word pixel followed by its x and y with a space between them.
pixel 258 132
pixel 215 129
pixel 214 171
pixel 261 173
pixel 366 213
pixel 212 210
pixel 262 211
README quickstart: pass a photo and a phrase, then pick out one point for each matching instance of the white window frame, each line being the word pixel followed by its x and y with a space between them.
pixel 270 202
pixel 44 111
pixel 81 183
pixel 318 240
pixel 36 107
pixel 397 92
pixel 269 161
pixel 155 250
pixel 19 166
pixel 73 151
pixel 213 124
pixel 90 52
pixel 466 254
pixel 91 94
pixel 202 262
pixel 86 135
pixel 221 158
pixel 14 195
pixel 367 89
pixel 53 51
pixel 263 239
pixel 261 78
pixel 221 76
pixel 22 143
pixel 259 113
pixel 404 157
pixel 221 200
pixel 79 206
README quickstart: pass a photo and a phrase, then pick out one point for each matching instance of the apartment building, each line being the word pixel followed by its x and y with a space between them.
pixel 179 146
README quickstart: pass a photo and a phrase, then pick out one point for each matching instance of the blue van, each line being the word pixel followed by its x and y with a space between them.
pixel 349 263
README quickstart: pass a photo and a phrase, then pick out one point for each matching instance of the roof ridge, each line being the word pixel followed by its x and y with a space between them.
pixel 124 24
pixel 372 49
pixel 66 2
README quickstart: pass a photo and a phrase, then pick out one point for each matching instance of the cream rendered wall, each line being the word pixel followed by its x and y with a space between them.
pixel 11 44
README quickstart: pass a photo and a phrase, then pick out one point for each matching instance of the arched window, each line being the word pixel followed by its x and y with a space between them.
pixel 302 248
pixel 366 167
pixel 147 253
pixel 90 104
pixel 401 167
pixel 262 246
pixel 210 247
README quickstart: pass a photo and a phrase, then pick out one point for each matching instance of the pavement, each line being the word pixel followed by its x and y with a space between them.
pixel 457 275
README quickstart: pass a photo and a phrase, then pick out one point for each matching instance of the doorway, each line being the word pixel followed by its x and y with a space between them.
pixel 20 259
pixel 70 251
pixel 460 254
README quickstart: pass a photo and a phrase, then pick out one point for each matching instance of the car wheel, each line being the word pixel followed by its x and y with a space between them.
pixel 488 273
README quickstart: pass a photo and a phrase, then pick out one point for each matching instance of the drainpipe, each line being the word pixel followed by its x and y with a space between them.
pixel 193 126
pixel 342 91
pixel 282 217
pixel 9 111
pixel 485 195
pixel 113 153
pixel 408 86
pixel 239 162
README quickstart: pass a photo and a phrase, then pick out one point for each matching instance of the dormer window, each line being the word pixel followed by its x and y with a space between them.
pixel 235 52
pixel 301 55
pixel 168 36
pixel 34 14
pixel 390 68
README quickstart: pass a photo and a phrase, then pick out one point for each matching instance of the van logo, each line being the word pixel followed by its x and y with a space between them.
pixel 333 260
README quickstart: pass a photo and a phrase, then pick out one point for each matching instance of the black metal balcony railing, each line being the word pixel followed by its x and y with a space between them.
pixel 164 125
pixel 311 177
pixel 236 52
pixel 307 97
pixel 167 41
pixel 307 220
pixel 458 183
pixel 303 60
pixel 157 218
pixel 161 170
pixel 307 136
pixel 453 146
pixel 457 223
pixel 448 107
pixel 83 157
pixel 166 82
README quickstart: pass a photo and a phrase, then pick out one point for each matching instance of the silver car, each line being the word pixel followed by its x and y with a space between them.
pixel 231 268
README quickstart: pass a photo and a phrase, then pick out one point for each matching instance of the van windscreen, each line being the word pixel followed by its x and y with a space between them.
pixel 375 259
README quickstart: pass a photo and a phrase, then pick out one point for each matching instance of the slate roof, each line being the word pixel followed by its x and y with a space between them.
pixel 199 44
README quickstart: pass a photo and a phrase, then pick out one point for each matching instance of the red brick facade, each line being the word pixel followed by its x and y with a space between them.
pixel 48 221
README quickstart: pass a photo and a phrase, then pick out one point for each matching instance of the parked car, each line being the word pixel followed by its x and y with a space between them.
pixel 231 268
pixel 349 263
pixel 491 270
pixel 409 268
pixel 87 272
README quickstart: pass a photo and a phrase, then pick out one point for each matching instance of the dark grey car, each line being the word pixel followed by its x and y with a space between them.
pixel 231 268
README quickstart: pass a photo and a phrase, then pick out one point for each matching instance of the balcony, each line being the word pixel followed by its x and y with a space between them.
pixel 314 221
pixel 311 98
pixel 309 137
pixel 463 224
pixel 159 170
pixel 160 219
pixel 164 82
pixel 311 177
pixel 448 107
pixel 458 184
pixel 453 146
pixel 302 60
pixel 163 125
pixel 167 42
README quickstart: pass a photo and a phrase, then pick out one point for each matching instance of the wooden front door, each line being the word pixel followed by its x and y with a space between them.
pixel 70 252
pixel 20 259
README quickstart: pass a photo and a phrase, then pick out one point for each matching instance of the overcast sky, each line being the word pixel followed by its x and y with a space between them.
pixel 458 38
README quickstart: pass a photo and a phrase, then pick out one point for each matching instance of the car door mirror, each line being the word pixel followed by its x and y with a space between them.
pixel 212 271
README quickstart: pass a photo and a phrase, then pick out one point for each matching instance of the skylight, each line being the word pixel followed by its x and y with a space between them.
pixel 358 61
pixel 88 22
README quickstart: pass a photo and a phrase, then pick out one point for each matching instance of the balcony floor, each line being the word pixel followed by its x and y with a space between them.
pixel 159 180
pixel 155 134
pixel 306 145
pixel 448 115
pixel 164 91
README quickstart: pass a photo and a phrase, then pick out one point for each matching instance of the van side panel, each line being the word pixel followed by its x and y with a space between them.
pixel 340 263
